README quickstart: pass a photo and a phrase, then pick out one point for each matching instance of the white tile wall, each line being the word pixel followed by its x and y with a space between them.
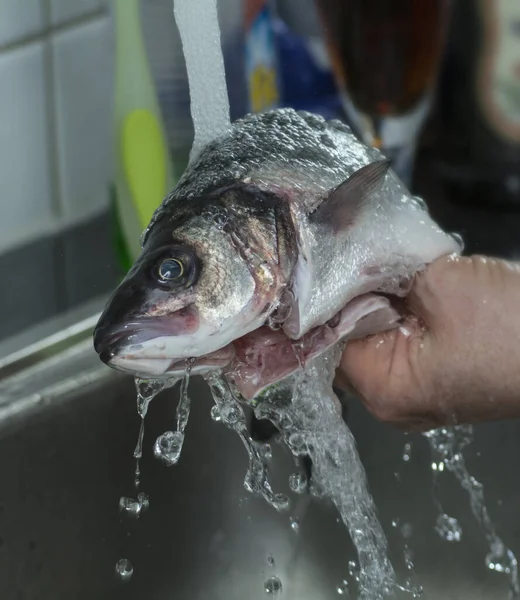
pixel 56 88
pixel 83 77
pixel 66 10
pixel 19 18
pixel 25 188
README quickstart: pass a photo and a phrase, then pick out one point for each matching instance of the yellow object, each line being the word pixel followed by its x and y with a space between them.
pixel 144 162
pixel 144 174
pixel 263 88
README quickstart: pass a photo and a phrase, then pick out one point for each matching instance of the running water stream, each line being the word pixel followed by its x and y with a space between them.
pixel 306 411
pixel 200 36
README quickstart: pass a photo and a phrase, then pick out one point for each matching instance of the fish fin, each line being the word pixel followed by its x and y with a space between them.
pixel 348 199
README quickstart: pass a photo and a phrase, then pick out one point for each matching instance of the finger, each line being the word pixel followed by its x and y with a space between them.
pixel 365 364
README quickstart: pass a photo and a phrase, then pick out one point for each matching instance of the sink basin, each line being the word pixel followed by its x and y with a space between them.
pixel 68 427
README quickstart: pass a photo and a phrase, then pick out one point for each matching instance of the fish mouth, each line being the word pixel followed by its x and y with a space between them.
pixel 115 340
pixel 140 346
pixel 160 368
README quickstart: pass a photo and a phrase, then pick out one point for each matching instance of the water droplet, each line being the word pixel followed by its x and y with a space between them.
pixel 270 561
pixel 144 500
pixel 295 524
pixel 500 560
pixel 410 588
pixel 273 585
pixel 124 569
pixel 130 507
pixel 353 570
pixel 342 589
pixel 406 530
pixel 448 528
pixel 297 444
pixel 230 414
pixel 327 141
pixel 266 451
pixel 281 502
pixel 408 557
pixel 458 238
pixel 168 447
pixel 407 452
pixel 298 482
pixel 419 202
pixel 215 413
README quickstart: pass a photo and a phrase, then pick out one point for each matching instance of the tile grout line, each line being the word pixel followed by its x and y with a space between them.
pixel 53 161
pixel 52 133
pixel 50 29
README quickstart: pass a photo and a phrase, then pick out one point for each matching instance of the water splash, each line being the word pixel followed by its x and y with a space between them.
pixel 273 585
pixel 229 411
pixel 298 483
pixel 124 569
pixel 168 446
pixel 311 425
pixel 134 507
pixel 447 445
pixel 147 390
pixel 294 522
pixel 405 532
pixel 448 528
pixel 265 451
pixel 200 36
pixel 409 586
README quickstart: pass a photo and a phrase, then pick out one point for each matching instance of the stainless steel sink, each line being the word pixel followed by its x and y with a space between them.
pixel 67 432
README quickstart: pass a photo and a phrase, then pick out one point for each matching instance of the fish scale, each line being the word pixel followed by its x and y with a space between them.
pixel 274 147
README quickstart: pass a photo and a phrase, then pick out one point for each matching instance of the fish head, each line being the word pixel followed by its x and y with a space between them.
pixel 207 274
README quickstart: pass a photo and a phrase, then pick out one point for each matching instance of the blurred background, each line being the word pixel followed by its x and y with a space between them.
pixel 435 84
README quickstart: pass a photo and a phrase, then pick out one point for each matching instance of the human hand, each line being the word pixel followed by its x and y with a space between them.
pixel 456 357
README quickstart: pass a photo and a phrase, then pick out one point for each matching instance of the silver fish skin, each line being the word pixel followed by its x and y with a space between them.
pixel 287 231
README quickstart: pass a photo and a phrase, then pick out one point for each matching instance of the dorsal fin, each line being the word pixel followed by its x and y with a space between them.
pixel 347 200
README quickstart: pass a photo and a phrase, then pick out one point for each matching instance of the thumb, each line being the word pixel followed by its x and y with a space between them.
pixel 366 364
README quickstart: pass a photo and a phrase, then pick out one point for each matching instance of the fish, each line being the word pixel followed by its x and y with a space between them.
pixel 284 236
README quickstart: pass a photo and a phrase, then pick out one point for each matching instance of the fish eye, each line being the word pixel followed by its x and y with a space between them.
pixel 170 269
pixel 175 267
